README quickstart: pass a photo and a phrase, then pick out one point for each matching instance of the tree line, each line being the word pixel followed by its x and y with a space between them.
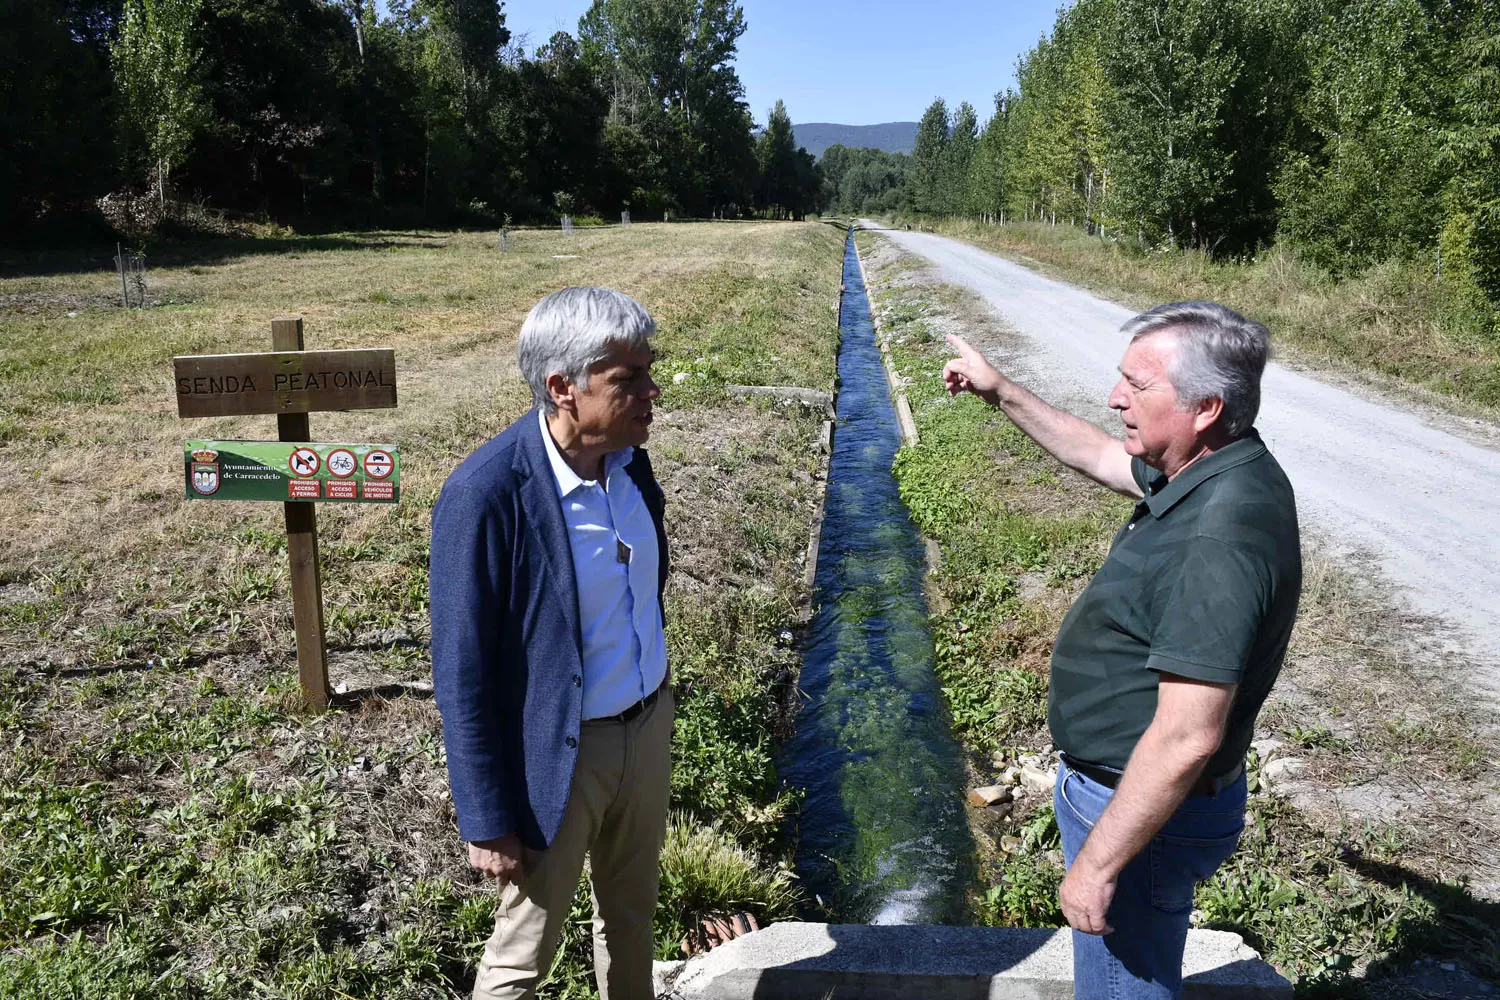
pixel 320 110
pixel 1353 131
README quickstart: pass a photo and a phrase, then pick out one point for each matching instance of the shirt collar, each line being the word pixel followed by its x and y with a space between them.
pixel 567 479
pixel 1162 495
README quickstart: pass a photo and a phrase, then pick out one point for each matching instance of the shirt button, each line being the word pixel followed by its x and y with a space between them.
pixel 577 681
pixel 571 742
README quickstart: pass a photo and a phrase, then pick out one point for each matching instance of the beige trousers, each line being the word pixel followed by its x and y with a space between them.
pixel 617 815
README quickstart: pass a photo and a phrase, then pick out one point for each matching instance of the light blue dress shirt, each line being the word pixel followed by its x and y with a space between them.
pixel 624 650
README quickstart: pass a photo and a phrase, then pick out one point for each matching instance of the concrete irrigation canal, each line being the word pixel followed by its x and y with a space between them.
pixel 883 836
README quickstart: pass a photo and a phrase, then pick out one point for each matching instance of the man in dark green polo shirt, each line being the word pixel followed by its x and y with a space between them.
pixel 1164 661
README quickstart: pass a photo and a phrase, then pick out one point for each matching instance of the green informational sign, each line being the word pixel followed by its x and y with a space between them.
pixel 292 470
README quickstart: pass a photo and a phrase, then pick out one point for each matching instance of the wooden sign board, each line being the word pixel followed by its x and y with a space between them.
pixel 221 385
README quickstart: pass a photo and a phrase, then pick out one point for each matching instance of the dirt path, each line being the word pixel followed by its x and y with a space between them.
pixel 1402 493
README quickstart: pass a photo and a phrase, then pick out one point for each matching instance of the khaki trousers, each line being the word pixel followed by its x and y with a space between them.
pixel 616 814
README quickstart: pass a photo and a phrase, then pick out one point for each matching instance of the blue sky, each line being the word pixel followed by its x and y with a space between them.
pixel 856 62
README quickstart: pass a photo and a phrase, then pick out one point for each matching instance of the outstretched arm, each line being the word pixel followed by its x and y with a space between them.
pixel 1071 440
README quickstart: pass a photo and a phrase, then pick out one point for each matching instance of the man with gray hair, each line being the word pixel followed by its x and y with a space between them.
pixel 548 563
pixel 1164 661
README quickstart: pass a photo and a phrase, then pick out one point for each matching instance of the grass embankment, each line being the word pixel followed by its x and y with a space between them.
pixel 1325 900
pixel 1398 320
pixel 172 823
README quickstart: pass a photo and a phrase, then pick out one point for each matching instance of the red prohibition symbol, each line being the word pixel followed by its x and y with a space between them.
pixel 379 464
pixel 341 463
pixel 304 462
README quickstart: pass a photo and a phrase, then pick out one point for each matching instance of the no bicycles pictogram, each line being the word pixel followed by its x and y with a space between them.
pixel 341 463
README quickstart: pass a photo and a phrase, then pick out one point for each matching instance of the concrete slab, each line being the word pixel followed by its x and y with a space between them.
pixel 797 961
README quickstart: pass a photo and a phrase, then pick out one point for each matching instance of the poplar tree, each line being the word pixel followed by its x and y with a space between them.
pixel 928 158
pixel 156 71
pixel 1172 66
pixel 958 155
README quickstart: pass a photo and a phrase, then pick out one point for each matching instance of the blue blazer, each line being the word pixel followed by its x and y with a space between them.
pixel 507 652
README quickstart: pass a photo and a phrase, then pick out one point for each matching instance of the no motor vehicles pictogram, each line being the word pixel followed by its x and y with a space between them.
pixel 378 464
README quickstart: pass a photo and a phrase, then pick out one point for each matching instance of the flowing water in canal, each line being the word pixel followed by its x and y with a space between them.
pixel 883 837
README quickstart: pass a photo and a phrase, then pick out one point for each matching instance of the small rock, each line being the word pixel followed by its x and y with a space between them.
pixel 1267 747
pixel 1038 780
pixel 1282 769
pixel 1000 810
pixel 988 795
pixel 1009 843
pixel 681 377
pixel 1449 967
pixel 1010 776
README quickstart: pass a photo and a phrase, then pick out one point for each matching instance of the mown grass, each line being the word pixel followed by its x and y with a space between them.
pixel 1400 320
pixel 172 822
pixel 1340 909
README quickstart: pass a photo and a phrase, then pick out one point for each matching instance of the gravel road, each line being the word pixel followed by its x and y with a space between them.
pixel 1414 496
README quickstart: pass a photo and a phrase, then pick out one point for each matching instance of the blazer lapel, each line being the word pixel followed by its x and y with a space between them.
pixel 544 519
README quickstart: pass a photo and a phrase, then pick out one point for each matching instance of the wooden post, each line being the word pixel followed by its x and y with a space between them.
pixel 302 546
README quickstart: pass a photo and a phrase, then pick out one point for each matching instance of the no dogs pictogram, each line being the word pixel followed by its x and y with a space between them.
pixel 304 462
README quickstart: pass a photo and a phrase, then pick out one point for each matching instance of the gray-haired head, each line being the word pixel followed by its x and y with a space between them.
pixel 571 330
pixel 1220 355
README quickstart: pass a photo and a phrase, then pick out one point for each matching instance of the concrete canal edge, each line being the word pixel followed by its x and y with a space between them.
pixel 897 384
pixel 800 961
pixel 825 441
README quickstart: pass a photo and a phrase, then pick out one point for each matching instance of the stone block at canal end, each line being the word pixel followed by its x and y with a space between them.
pixel 796 961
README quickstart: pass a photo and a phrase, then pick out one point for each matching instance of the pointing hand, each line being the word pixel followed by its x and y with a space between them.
pixel 969 372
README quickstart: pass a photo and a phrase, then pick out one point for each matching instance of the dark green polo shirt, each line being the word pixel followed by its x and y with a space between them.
pixel 1202 582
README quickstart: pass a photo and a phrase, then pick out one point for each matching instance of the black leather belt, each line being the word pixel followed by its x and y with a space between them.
pixel 633 710
pixel 1109 777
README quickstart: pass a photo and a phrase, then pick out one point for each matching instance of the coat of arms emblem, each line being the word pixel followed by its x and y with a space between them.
pixel 205 473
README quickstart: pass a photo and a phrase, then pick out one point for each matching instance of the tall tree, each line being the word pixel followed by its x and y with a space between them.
pixel 361 16
pixel 56 148
pixel 987 171
pixel 1173 65
pixel 1368 183
pixel 776 150
pixel 668 66
pixel 958 154
pixel 156 61
pixel 927 156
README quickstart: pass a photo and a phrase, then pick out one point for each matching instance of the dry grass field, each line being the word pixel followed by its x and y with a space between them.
pixel 172 823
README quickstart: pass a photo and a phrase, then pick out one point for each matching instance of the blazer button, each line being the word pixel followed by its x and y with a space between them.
pixel 571 742
pixel 577 681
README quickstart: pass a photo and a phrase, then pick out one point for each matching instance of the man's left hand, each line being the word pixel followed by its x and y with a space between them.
pixel 1085 898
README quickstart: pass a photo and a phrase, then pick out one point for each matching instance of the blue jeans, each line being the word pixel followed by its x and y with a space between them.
pixel 1154 897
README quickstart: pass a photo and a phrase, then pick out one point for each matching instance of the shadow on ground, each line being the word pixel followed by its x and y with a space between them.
pixel 207 252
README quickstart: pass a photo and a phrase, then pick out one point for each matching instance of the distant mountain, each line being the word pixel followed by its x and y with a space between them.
pixel 893 137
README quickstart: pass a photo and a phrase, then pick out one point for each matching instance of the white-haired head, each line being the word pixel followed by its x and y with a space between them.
pixel 1220 355
pixel 571 330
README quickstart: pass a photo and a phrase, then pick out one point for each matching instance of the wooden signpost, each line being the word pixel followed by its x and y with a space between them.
pixel 292 382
